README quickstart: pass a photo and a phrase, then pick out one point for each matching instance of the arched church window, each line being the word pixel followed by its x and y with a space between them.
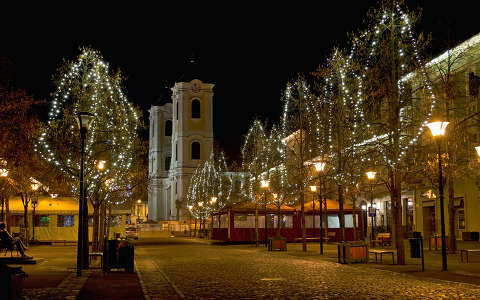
pixel 195 150
pixel 195 109
pixel 168 128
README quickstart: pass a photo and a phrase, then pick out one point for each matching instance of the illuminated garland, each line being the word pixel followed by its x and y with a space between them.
pixel 210 179
pixel 88 86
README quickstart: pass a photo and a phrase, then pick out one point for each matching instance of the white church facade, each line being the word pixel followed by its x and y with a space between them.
pixel 180 137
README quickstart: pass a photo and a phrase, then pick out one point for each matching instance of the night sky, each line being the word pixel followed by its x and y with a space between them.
pixel 248 51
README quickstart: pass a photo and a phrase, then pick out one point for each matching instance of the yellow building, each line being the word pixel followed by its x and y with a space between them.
pixel 56 219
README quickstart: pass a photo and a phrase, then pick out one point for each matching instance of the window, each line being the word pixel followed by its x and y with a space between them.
pixel 195 150
pixel 42 220
pixel 177 111
pixel 168 128
pixel 153 128
pixel 65 221
pixel 176 151
pixel 195 109
pixel 333 221
pixel 168 159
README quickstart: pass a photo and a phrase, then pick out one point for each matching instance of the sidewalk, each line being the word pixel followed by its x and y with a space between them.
pixel 457 271
pixel 54 277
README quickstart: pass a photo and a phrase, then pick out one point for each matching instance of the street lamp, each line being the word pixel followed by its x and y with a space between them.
pixel 438 130
pixel 84 120
pixel 265 184
pixel 476 148
pixel 319 167
pixel 371 211
pixel 35 187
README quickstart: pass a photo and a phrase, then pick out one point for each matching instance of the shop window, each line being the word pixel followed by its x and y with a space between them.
pixel 42 220
pixel 196 109
pixel 65 221
pixel 195 150
pixel 168 128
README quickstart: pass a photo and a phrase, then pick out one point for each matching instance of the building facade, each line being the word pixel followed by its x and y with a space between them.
pixel 181 136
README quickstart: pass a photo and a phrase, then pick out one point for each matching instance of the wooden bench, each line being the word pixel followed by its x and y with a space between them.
pixel 65 242
pixel 466 251
pixel 382 239
pixel 382 252
pixel 309 239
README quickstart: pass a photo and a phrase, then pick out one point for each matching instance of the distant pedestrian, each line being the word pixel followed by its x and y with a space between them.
pixel 13 241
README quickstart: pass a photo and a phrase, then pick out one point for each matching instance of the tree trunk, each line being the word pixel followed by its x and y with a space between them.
pixel 102 235
pixel 95 232
pixel 279 216
pixel 397 215
pixel 3 211
pixel 340 213
pixel 304 230
pixel 8 216
pixel 109 222
pixel 451 213
pixel 195 229
pixel 354 205
pixel 326 214
pixel 256 224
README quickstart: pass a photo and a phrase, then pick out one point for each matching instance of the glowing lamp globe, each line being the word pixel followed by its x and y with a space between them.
pixel 319 166
pixel 313 188
pixel 476 148
pixel 84 120
pixel 437 128
pixel 265 183
pixel 371 175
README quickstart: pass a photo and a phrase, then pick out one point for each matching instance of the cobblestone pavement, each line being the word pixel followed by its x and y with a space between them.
pixel 178 269
pixel 67 289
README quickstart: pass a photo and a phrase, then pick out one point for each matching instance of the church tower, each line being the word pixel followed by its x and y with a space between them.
pixel 159 157
pixel 192 139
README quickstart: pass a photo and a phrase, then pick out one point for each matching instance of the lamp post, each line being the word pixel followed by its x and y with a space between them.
pixel 84 120
pixel 35 187
pixel 364 214
pixel 438 130
pixel 319 167
pixel 265 184
pixel 371 211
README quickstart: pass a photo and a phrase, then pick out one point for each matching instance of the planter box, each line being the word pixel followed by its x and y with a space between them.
pixel 352 253
pixel 277 243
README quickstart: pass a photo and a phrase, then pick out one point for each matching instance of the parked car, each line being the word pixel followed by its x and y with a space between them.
pixel 131 232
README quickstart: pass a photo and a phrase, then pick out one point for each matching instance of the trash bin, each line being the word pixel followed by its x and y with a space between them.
pixel 11 282
pixel 415 247
pixel 354 252
pixel 118 254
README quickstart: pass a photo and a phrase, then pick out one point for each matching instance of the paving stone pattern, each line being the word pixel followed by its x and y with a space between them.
pixel 205 271
pixel 67 289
